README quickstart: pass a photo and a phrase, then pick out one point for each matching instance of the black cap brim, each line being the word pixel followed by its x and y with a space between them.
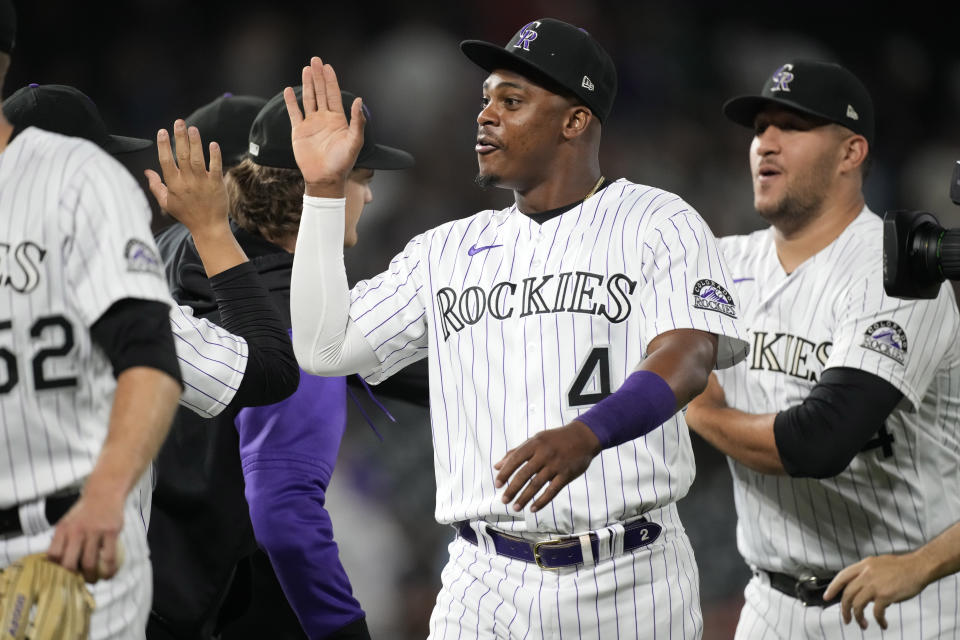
pixel 491 57
pixel 384 157
pixel 125 144
pixel 743 110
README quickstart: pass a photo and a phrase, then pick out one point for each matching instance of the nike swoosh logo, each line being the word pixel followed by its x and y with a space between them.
pixel 474 250
pixel 736 280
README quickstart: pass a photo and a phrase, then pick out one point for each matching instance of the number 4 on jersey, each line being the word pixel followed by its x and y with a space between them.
pixel 594 374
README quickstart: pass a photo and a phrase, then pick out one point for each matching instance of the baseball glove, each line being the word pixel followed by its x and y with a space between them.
pixel 63 603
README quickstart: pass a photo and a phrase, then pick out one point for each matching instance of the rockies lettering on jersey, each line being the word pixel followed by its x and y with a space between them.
pixel 899 491
pixel 785 353
pixel 468 308
pixel 527 325
pixel 20 265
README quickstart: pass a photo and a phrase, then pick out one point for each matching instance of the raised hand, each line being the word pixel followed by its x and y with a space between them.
pixel 188 192
pixel 196 197
pixel 324 144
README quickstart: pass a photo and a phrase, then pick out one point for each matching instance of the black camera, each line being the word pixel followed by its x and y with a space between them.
pixel 919 254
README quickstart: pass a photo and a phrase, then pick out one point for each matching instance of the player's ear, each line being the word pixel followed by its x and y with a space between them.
pixel 855 149
pixel 577 121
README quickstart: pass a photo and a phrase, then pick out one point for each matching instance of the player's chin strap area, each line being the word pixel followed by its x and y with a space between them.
pixel 569 551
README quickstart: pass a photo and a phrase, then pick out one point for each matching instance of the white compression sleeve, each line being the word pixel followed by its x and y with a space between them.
pixel 325 340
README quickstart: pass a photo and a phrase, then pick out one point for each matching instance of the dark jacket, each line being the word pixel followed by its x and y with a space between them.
pixel 205 557
pixel 200 531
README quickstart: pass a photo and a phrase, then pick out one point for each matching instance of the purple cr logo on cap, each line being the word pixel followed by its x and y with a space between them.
pixel 34 85
pixel 782 78
pixel 527 35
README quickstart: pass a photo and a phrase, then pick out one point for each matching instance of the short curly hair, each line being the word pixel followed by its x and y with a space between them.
pixel 265 200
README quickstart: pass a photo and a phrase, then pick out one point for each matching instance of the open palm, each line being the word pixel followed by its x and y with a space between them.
pixel 324 144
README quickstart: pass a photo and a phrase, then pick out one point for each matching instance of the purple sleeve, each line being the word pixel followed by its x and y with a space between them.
pixel 288 451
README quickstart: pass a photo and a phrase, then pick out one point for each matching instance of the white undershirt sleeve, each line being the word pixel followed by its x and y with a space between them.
pixel 325 340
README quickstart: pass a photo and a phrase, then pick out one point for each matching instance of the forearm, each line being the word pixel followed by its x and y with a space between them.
pixel 941 556
pixel 218 248
pixel 143 406
pixel 676 368
pixel 685 365
pixel 746 437
pixel 246 310
pixel 320 297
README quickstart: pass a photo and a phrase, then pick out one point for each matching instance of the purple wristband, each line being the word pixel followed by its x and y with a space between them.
pixel 642 403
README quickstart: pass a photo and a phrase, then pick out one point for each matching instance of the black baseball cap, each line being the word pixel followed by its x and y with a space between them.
pixel 822 89
pixel 552 52
pixel 226 121
pixel 8 26
pixel 269 142
pixel 66 110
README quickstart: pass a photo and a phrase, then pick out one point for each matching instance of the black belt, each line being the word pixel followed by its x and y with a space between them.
pixel 807 588
pixel 565 552
pixel 55 507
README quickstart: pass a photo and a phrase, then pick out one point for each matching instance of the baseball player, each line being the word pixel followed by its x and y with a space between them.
pixel 218 368
pixel 89 370
pixel 199 526
pixel 288 450
pixel 210 577
pixel 563 334
pixel 841 427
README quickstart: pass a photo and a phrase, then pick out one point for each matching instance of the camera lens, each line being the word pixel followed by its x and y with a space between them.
pixel 950 254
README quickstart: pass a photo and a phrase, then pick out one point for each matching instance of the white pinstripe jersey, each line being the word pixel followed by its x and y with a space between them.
pixel 74 239
pixel 527 325
pixel 832 312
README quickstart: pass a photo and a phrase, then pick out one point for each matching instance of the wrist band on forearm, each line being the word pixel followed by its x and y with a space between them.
pixel 316 203
pixel 640 405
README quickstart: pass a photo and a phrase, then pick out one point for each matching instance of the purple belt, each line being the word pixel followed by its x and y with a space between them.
pixel 565 552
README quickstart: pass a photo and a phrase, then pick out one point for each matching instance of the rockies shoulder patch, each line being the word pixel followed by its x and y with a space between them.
pixel 710 296
pixel 888 338
pixel 141 257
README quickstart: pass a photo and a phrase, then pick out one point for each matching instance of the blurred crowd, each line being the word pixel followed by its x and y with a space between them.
pixel 146 62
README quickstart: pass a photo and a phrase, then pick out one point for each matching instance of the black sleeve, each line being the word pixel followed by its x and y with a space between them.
pixel 246 310
pixel 136 333
pixel 819 437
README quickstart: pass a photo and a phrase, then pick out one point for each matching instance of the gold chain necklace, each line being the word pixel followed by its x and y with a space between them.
pixel 594 190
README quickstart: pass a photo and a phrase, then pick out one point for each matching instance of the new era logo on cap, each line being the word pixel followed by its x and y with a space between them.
pixel 852 113
pixel 254 149
pixel 587 84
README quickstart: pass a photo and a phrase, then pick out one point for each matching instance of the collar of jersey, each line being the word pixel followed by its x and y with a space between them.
pixel 542 216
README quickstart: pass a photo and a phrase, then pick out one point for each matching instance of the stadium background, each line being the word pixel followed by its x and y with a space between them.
pixel 146 62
